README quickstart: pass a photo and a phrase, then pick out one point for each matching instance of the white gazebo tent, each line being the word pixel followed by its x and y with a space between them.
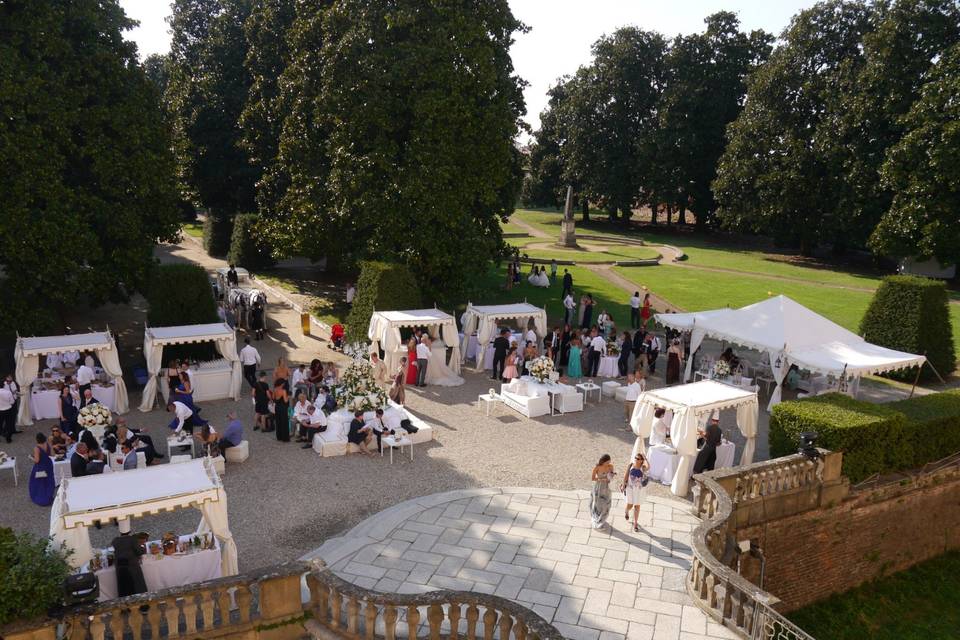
pixel 793 334
pixel 82 502
pixel 384 333
pixel 156 338
pixel 484 319
pixel 692 405
pixel 28 351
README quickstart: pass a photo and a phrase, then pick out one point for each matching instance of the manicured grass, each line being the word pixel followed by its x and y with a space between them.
pixel 548 221
pixel 613 254
pixel 917 604
pixel 326 305
pixel 194 229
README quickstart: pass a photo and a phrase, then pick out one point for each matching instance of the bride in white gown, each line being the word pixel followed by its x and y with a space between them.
pixel 539 278
pixel 438 372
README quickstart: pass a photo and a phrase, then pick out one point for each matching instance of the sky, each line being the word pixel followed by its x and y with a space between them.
pixel 561 31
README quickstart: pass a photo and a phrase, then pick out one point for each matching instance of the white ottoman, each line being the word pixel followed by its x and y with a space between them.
pixel 219 465
pixel 238 453
pixel 609 388
pixel 180 458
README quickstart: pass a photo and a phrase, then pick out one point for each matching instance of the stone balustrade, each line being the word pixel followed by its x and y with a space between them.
pixel 270 605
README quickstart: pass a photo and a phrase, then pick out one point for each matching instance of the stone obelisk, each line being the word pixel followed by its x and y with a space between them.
pixel 568 233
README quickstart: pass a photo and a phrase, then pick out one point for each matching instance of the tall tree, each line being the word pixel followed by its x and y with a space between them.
pixel 157 68
pixel 422 106
pixel 207 90
pixel 545 185
pixel 923 171
pixel 88 180
pixel 782 171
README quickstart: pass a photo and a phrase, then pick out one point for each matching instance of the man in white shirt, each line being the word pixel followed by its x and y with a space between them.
pixel 250 359
pixel 377 369
pixel 351 293
pixel 7 418
pixel 423 356
pixel 597 347
pixel 653 351
pixel 70 358
pixel 635 310
pixel 184 417
pixel 301 382
pixel 568 306
pixel 380 429
pixel 54 361
pixel 312 422
pixel 85 377
pixel 635 386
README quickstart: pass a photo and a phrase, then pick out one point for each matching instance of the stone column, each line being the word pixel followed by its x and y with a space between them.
pixel 568 234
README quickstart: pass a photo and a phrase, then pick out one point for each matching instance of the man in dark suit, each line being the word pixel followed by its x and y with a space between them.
pixel 500 347
pixel 623 362
pixel 127 550
pixel 80 462
pixel 567 284
pixel 551 345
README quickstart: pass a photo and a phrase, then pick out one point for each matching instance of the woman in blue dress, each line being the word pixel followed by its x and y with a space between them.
pixel 68 411
pixel 41 476
pixel 573 360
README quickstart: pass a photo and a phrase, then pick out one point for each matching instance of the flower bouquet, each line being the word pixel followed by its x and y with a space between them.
pixel 95 415
pixel 358 391
pixel 721 369
pixel 541 368
pixel 613 349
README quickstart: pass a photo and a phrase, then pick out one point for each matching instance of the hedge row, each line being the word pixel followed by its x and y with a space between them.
pixel 246 247
pixel 912 314
pixel 874 438
pixel 179 294
pixel 217 232
pixel 384 287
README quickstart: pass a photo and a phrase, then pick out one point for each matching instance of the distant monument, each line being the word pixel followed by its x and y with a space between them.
pixel 568 232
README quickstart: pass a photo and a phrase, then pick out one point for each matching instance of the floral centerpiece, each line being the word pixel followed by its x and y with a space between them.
pixel 541 368
pixel 721 369
pixel 95 415
pixel 613 349
pixel 358 391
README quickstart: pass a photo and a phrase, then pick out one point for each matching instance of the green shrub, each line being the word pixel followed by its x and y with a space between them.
pixel 932 427
pixel 31 576
pixel 179 294
pixel 871 436
pixel 912 314
pixel 381 287
pixel 247 248
pixel 217 230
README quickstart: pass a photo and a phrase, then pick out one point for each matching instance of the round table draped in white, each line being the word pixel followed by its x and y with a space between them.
pixel 664 461
pixel 608 367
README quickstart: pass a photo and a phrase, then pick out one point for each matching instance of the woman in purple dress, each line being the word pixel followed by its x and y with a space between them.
pixel 41 476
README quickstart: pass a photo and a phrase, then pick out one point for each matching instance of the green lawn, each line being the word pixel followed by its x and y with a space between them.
pixel 194 229
pixel 917 604
pixel 548 221
pixel 612 254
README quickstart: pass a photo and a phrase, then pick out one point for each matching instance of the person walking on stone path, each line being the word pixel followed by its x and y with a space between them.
pixel 634 480
pixel 250 359
pixel 602 475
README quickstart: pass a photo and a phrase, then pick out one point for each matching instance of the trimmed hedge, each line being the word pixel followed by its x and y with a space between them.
pixel 874 438
pixel 246 247
pixel 217 231
pixel 180 294
pixel 912 314
pixel 863 431
pixel 384 287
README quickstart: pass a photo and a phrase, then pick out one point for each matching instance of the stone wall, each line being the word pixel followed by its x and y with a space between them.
pixel 869 533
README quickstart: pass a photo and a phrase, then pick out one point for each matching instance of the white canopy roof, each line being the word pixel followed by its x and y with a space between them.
pixel 484 319
pixel 686 321
pixel 190 333
pixel 42 345
pixel 384 333
pixel 414 317
pixel 692 405
pixel 82 502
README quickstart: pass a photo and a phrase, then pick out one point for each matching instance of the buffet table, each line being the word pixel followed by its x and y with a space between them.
pixel 608 367
pixel 163 572
pixel 664 461
pixel 45 404
pixel 211 381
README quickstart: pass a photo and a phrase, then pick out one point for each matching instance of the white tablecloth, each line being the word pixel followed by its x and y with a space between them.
pixel 663 463
pixel 211 380
pixel 61 470
pixel 45 405
pixel 168 571
pixel 725 455
pixel 608 367
pixel 472 346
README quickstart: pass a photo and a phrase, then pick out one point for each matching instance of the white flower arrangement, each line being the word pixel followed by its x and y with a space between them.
pixel 721 369
pixel 541 368
pixel 358 391
pixel 613 349
pixel 93 415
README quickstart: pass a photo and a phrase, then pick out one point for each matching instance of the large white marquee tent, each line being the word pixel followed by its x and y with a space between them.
pixel 156 338
pixel 27 355
pixel 484 319
pixel 791 334
pixel 384 333
pixel 82 502
pixel 692 406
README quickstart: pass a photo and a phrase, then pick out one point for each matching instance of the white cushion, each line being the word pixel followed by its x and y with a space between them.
pixel 238 453
pixel 180 458
pixel 609 388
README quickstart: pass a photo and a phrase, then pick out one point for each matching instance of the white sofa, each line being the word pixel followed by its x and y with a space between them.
pixel 528 400
pixel 333 441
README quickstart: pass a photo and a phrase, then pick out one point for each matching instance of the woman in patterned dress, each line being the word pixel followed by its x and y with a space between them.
pixel 602 474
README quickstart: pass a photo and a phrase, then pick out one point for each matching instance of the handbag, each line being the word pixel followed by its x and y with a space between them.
pixel 40 474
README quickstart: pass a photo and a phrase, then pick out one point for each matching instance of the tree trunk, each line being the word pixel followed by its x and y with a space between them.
pixel 626 214
pixel 653 213
pixel 585 209
pixel 683 215
pixel 669 213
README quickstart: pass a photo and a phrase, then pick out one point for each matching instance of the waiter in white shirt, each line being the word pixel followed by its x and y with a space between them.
pixel 597 348
pixel 653 351
pixel 70 358
pixel 84 378
pixel 54 361
pixel 423 356
pixel 8 419
pixel 635 386
pixel 531 337
pixel 568 306
pixel 250 359
pixel 184 417
pixel 635 302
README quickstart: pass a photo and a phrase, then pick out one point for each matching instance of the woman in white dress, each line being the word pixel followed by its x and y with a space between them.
pixel 438 372
pixel 634 479
pixel 661 430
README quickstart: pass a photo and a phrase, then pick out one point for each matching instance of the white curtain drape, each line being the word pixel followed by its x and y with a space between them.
pixel 696 339
pixel 779 373
pixel 215 519
pixel 747 421
pixel 154 356
pixel 468 322
pixel 641 423
pixel 683 434
pixel 228 349
pixel 110 361
pixel 484 335
pixel 77 539
pixel 27 368
pixel 449 333
pixel 540 324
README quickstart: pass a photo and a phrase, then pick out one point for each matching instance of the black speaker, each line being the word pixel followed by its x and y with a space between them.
pixel 81 588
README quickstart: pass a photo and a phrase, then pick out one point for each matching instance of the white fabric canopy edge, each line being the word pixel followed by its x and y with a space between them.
pixel 484 318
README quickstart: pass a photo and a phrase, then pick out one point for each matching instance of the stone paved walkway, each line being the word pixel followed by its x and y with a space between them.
pixel 536 547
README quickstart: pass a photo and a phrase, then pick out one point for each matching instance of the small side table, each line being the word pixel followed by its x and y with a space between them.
pixel 394 441
pixel 489 400
pixel 587 388
pixel 11 463
pixel 173 442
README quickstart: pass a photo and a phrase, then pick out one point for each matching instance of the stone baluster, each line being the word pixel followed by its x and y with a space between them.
pixel 189 605
pixel 520 630
pixel 473 614
pixel 223 605
pixel 244 602
pixel 489 623
pixel 171 614
pixel 413 621
pixel 506 624
pixel 206 609
pixel 353 616
pixel 390 622
pixel 335 601
pixel 370 620
pixel 80 628
pixel 153 619
pixel 435 619
pixel 116 624
pixel 453 613
pixel 135 619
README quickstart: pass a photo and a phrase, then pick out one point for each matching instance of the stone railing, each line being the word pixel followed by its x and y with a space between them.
pixel 730 499
pixel 273 605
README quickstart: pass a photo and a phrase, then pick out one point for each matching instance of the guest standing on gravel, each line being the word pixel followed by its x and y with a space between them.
pixel 602 474
pixel 250 359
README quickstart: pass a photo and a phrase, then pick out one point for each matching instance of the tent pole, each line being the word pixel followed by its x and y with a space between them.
pixel 916 379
